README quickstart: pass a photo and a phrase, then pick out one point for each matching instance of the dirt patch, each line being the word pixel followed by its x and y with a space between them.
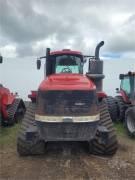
pixel 69 161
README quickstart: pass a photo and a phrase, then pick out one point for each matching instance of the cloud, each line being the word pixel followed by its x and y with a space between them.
pixel 8 51
pixel 27 27
pixel 33 25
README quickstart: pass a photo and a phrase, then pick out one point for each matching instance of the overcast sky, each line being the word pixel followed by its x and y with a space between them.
pixel 27 27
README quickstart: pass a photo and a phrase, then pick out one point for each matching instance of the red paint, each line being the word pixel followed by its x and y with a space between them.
pixel 7 96
pixel 101 94
pixel 6 99
pixel 33 95
pixel 124 96
pixel 66 52
pixel 67 82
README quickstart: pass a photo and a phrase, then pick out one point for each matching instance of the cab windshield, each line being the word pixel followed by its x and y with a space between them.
pixel 68 64
pixel 127 84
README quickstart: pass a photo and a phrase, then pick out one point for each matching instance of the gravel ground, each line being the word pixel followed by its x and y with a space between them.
pixel 69 161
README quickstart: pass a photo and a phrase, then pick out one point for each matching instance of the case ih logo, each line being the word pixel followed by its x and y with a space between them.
pixel 79 104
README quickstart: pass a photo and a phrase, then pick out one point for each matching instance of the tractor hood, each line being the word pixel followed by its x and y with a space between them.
pixel 67 82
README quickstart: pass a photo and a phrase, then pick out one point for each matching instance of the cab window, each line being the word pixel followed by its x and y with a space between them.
pixel 68 64
pixel 125 85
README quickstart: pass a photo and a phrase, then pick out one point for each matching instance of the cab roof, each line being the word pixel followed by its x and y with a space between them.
pixel 66 51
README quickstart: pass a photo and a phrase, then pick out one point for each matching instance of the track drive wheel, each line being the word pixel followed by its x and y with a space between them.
pixel 31 147
pixel 110 147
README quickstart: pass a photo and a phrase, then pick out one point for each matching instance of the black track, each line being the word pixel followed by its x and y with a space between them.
pixel 25 147
pixel 13 112
pixel 37 146
pixel 112 107
pixel 111 146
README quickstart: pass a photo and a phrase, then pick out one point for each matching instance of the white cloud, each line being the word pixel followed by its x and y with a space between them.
pixel 30 23
pixel 8 51
pixel 119 19
pixel 28 27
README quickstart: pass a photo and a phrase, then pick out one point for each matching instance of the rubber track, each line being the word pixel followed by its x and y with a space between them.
pixel 12 110
pixel 112 145
pixel 112 107
pixel 25 147
pixel 37 147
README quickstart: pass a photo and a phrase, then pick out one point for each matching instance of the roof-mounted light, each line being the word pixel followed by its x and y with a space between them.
pixel 66 49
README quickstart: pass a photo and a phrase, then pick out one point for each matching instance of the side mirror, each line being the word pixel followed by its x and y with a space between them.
pixel 117 90
pixel 121 76
pixel 1 59
pixel 38 63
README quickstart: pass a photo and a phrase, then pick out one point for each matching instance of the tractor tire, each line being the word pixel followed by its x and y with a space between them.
pixel 33 147
pixel 130 121
pixel 110 147
pixel 112 107
pixel 121 108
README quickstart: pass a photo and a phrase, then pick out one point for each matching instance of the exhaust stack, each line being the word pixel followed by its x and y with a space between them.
pixel 96 68
pixel 98 49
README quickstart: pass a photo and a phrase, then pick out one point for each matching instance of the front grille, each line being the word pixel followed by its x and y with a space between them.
pixel 67 103
pixel 67 131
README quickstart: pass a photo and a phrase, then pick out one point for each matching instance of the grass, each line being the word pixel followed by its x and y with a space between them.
pixel 120 128
pixel 8 134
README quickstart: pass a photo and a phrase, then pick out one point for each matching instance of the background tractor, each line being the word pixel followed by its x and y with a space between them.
pixel 11 107
pixel 125 101
pixel 68 105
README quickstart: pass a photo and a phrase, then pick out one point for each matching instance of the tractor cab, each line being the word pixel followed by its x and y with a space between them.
pixel 65 61
pixel 68 61
pixel 127 86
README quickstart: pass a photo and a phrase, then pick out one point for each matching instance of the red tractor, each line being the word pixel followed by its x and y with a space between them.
pixel 68 106
pixel 11 107
pixel 126 102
